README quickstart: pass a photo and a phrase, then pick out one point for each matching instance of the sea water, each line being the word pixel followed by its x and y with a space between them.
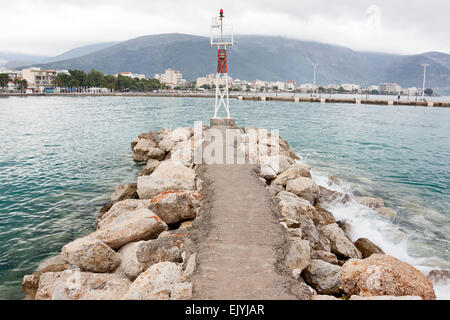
pixel 62 157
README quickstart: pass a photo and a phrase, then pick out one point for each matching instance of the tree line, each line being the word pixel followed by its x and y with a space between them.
pixel 21 84
pixel 95 78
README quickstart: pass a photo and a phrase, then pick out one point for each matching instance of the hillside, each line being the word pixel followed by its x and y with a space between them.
pixel 81 51
pixel 266 58
pixel 13 59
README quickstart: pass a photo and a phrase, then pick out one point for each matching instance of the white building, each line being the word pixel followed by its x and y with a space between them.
pixel 389 87
pixel 291 85
pixel 39 78
pixel 308 87
pixel 170 77
pixel 370 88
pixel 210 80
pixel 132 75
pixel 350 87
pixel 332 87
pixel 280 85
pixel 411 91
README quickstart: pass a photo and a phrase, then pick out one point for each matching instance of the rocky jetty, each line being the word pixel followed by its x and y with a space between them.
pixel 145 248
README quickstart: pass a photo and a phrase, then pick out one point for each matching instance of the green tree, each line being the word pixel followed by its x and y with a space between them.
pixel 21 84
pixel 80 77
pixel 62 80
pixel 4 79
pixel 428 91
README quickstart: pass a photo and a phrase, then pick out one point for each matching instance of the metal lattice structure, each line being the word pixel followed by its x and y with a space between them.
pixel 222 38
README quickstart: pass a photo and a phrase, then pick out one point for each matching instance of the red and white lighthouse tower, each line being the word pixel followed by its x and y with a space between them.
pixel 222 38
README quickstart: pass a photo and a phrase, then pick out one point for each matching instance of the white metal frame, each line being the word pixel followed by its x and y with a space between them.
pixel 221 37
pixel 222 95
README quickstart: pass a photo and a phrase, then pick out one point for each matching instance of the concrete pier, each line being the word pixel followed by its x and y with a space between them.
pixel 442 104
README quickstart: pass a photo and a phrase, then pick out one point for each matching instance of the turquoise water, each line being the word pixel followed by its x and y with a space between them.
pixel 61 157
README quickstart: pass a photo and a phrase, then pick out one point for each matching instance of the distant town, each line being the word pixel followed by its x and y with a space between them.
pixel 34 80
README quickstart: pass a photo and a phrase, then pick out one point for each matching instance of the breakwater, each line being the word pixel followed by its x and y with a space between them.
pixel 259 97
pixel 153 232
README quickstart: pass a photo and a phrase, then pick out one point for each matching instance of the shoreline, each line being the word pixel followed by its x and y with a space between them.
pixel 259 97
pixel 126 257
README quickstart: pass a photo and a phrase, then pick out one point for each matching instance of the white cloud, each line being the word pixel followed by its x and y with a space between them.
pixel 53 26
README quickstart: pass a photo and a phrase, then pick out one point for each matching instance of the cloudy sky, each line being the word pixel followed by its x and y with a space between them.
pixel 50 27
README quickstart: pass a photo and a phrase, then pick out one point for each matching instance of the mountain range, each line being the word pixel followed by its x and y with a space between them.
pixel 258 57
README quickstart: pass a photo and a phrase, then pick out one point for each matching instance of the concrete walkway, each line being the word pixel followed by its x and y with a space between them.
pixel 238 256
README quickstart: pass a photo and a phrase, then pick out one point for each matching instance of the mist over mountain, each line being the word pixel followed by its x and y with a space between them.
pixel 13 59
pixel 265 58
pixel 81 51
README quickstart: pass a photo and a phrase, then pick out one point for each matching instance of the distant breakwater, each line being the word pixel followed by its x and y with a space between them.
pixel 258 97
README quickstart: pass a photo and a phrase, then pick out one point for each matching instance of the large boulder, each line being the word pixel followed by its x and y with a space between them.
pixel 370 202
pixel 169 175
pixel 53 264
pixel 119 208
pixel 304 188
pixel 140 224
pixel 302 169
pixel 76 285
pixel 292 206
pixel 322 217
pixel 174 206
pixel 156 153
pixel 285 176
pixel 367 247
pixel 180 134
pixel 151 165
pixel 160 250
pixel 267 172
pixel 386 212
pixel 439 276
pixel 157 282
pixel 125 191
pixel 130 266
pixel 90 254
pixel 298 255
pixel 323 277
pixel 183 153
pixel 329 196
pixel 324 256
pixel 30 283
pixel 340 244
pixel 142 147
pixel 166 143
pixel 136 257
pixel 381 275
pixel 278 163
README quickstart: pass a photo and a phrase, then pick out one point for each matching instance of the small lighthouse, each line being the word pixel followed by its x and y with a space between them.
pixel 222 38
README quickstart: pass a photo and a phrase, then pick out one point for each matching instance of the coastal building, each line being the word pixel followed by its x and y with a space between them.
pixel 307 87
pixel 257 84
pixel 350 87
pixel 388 88
pixel 280 85
pixel 291 85
pixel 210 80
pixel 332 87
pixel 132 75
pixel 240 84
pixel 371 88
pixel 171 78
pixel 411 91
pixel 38 78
